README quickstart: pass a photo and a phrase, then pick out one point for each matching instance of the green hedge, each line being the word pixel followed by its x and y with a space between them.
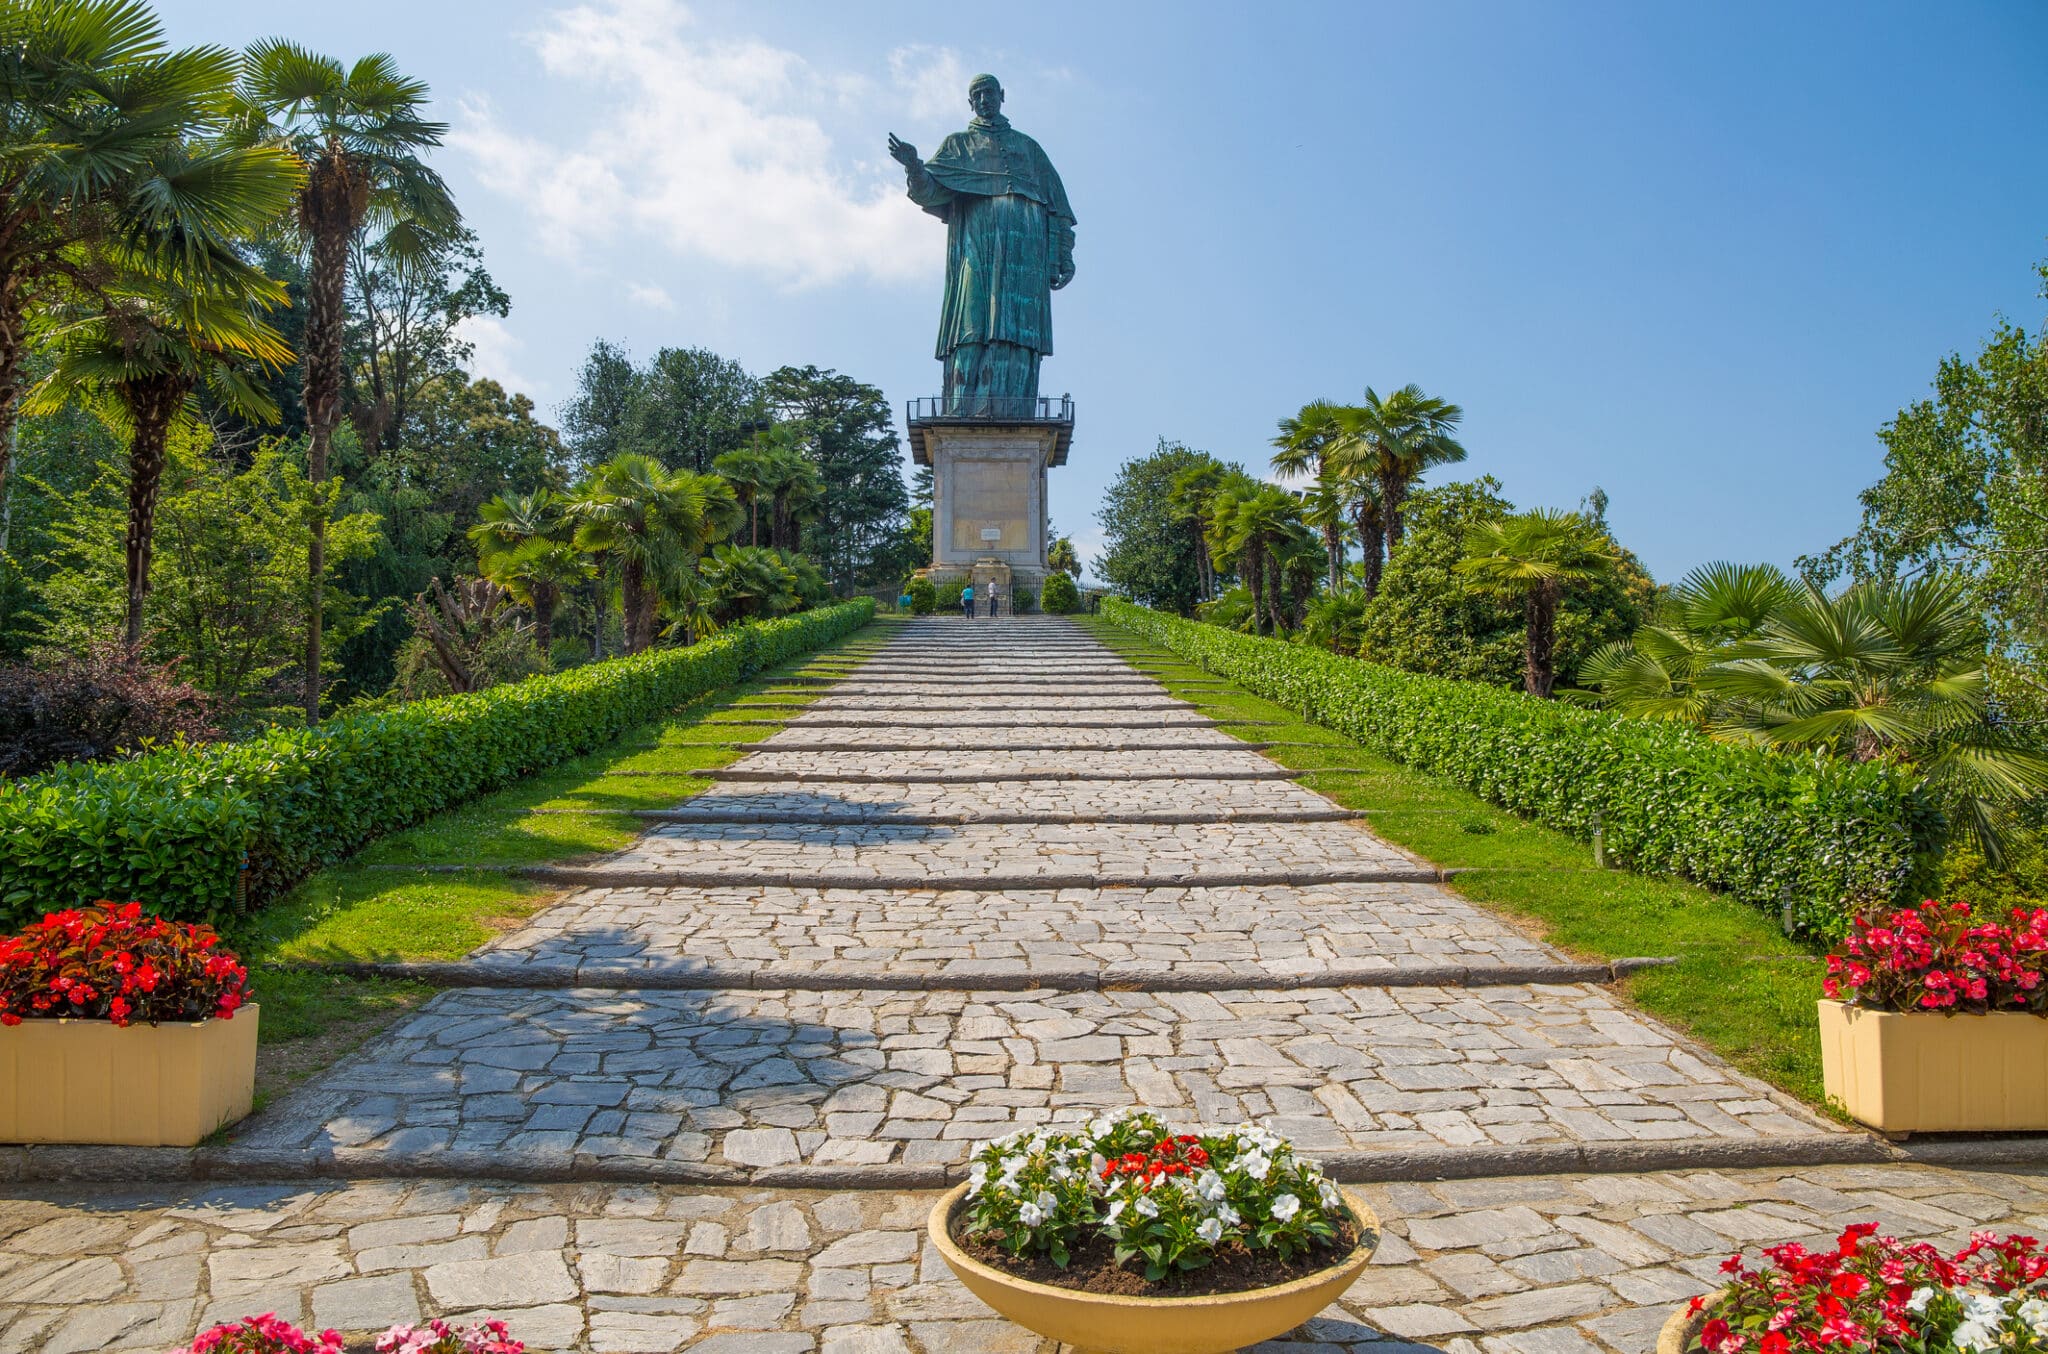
pixel 171 828
pixel 1826 835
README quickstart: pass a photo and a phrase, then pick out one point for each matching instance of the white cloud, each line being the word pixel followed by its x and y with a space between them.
pixel 649 295
pixel 932 81
pixel 493 356
pixel 712 149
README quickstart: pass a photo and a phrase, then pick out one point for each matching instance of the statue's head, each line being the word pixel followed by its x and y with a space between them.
pixel 985 96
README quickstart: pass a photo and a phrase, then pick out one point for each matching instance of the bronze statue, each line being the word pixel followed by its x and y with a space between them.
pixel 1009 246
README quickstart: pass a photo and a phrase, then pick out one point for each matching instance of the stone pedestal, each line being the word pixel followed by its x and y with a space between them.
pixel 988 496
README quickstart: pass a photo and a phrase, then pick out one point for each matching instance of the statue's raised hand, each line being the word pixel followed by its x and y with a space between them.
pixel 903 153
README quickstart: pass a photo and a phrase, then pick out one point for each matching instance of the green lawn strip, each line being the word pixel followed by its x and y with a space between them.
pixel 1741 987
pixel 350 913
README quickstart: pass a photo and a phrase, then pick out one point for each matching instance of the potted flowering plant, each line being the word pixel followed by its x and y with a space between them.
pixel 266 1334
pixel 117 1027
pixel 1121 1236
pixel 1933 1020
pixel 1873 1292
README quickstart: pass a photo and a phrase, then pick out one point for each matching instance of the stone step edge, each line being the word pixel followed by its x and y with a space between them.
pixel 955 750
pixel 156 1164
pixel 846 721
pixel 977 777
pixel 1136 818
pixel 675 977
pixel 616 877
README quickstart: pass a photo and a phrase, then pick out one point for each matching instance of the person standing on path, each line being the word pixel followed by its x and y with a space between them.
pixel 992 595
pixel 967 601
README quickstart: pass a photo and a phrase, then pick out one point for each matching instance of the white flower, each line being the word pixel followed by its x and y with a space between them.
pixel 1228 1215
pixel 1099 1127
pixel 1976 1337
pixel 1285 1207
pixel 977 1170
pixel 1210 1186
pixel 1256 1165
pixel 1116 1209
pixel 1047 1201
pixel 1029 1215
pixel 2035 1313
pixel 1210 1231
pixel 1096 1161
pixel 1328 1195
pixel 1146 1208
pixel 1921 1297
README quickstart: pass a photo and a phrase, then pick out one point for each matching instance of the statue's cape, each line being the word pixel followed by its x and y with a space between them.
pixel 993 158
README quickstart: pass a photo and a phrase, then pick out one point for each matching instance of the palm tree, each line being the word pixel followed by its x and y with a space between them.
pixel 1252 523
pixel 1394 440
pixel 1306 444
pixel 152 332
pixel 748 582
pixel 655 523
pixel 1657 673
pixel 1533 555
pixel 747 471
pixel 97 109
pixel 794 490
pixel 1885 671
pixel 1061 557
pixel 1324 506
pixel 1192 499
pixel 358 132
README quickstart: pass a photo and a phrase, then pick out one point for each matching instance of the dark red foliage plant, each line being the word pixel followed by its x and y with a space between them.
pixel 109 962
pixel 95 706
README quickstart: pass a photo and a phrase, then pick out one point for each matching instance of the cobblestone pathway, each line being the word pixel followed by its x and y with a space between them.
pixel 996 877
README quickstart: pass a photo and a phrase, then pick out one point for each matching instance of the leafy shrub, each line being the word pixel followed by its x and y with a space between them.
pixel 1828 836
pixel 179 825
pixel 94 706
pixel 1061 597
pixel 924 598
pixel 1023 598
pixel 112 963
pixel 948 596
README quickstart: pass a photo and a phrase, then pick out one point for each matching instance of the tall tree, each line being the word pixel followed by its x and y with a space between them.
pixel 94 101
pixel 358 131
pixel 655 523
pixel 690 406
pixel 416 282
pixel 1154 551
pixel 1533 556
pixel 594 421
pixel 848 430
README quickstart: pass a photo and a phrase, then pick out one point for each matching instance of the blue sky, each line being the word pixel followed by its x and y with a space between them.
pixel 1692 254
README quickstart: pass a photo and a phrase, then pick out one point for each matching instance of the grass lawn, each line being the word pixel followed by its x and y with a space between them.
pixel 371 907
pixel 1741 987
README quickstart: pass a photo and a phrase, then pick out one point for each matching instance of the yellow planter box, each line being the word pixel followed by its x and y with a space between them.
pixel 1103 1323
pixel 1921 1072
pixel 87 1081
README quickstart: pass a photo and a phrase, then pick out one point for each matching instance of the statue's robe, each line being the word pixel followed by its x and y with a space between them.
pixel 1008 226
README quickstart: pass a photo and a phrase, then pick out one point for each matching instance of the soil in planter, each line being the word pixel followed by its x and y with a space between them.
pixel 1092 1267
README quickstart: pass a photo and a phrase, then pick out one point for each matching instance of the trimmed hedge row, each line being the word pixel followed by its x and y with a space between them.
pixel 1825 835
pixel 177 827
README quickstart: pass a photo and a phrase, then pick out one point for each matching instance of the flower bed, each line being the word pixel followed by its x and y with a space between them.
pixel 268 1334
pixel 1829 836
pixel 205 831
pixel 1875 1292
pixel 1123 1206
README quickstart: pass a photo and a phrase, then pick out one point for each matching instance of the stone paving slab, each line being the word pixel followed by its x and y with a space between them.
pixel 936 735
pixel 754 1080
pixel 955 855
pixel 1241 933
pixel 1520 1265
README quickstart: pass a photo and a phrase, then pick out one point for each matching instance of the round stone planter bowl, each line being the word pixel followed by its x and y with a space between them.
pixel 1683 1326
pixel 1107 1323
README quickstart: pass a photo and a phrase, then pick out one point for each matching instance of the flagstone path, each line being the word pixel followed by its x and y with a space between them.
pixel 996 877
